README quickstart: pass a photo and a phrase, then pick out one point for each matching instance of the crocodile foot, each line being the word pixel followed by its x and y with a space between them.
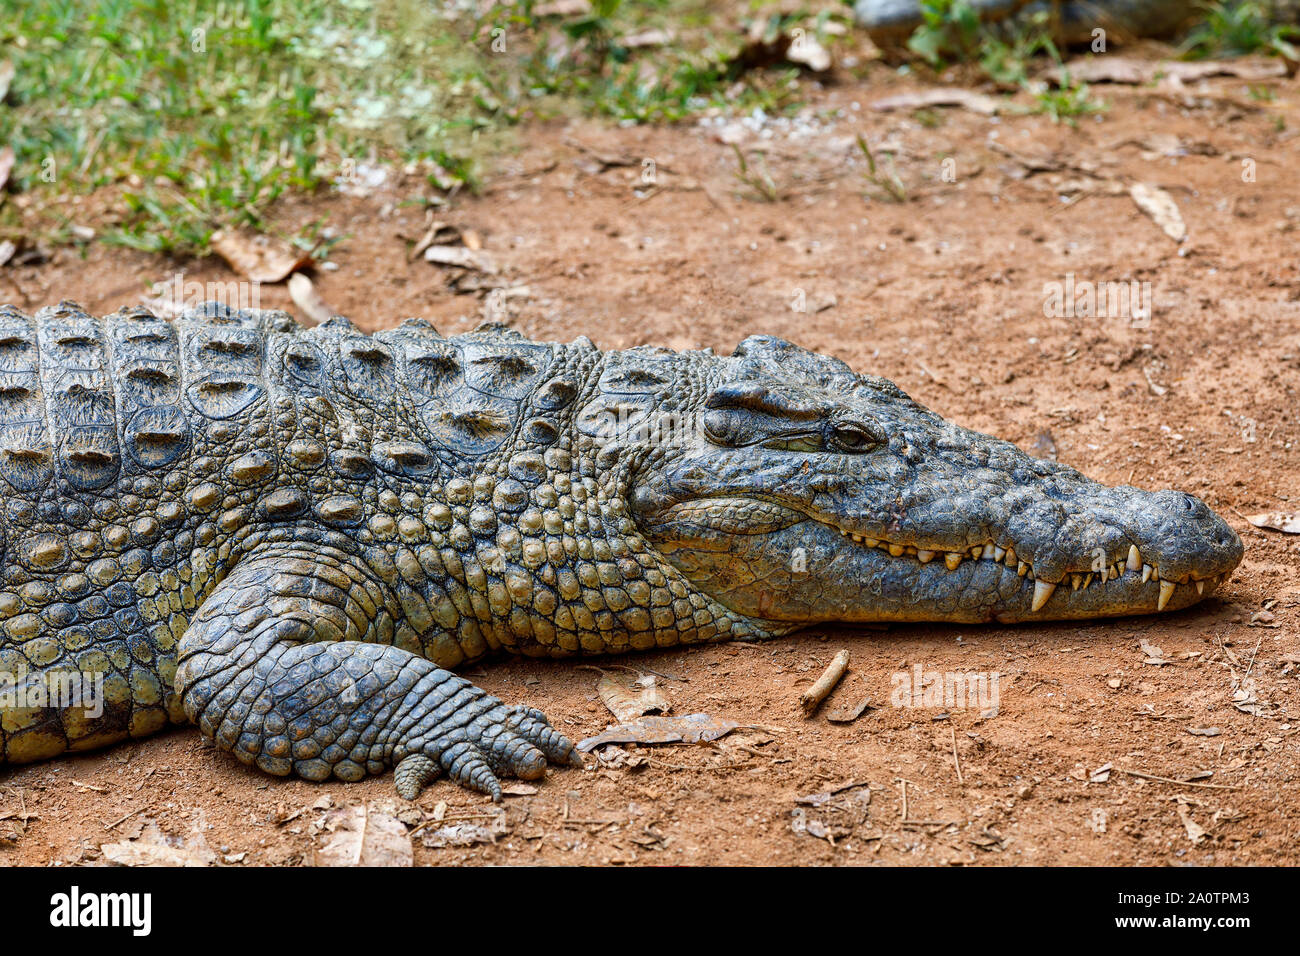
pixel 496 740
pixel 282 666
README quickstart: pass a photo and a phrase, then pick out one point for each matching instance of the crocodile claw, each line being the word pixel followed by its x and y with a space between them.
pixel 500 741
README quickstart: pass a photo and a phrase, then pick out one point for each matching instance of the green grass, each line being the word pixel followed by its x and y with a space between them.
pixel 194 115
pixel 1236 29
pixel 951 32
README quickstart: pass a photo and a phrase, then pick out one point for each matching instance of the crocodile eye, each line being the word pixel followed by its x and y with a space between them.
pixel 852 437
pixel 719 428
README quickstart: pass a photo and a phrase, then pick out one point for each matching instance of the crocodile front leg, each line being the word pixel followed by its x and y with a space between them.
pixel 280 668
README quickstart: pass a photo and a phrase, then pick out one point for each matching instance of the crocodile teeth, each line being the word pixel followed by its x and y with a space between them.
pixel 999 553
pixel 896 550
pixel 1075 581
pixel 1200 587
pixel 989 553
pixel 1042 591
pixel 1146 573
pixel 925 557
pixel 870 542
pixel 1010 558
pixel 952 559
pixel 977 552
pixel 1166 592
pixel 1021 568
pixel 1134 558
pixel 1087 579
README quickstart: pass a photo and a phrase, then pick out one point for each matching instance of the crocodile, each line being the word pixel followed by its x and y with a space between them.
pixel 291 537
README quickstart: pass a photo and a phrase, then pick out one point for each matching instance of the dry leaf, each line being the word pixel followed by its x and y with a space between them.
pixel 6 164
pixel 466 834
pixel 1204 731
pixel 646 38
pixel 305 297
pixel 563 8
pixel 797 47
pixel 258 258
pixel 362 838
pixel 1134 71
pixel 460 256
pixel 1101 774
pixel 628 703
pixel 1287 522
pixel 1195 832
pixel 846 715
pixel 1154 655
pixel 155 848
pixel 1162 209
pixel 690 729
pixel 940 96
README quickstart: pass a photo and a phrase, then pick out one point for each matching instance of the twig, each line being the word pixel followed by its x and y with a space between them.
pixel 811 699
pixel 929 823
pixel 123 819
pixel 1181 783
pixel 955 759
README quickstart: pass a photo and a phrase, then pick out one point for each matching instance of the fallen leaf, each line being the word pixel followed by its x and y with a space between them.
pixel 1287 522
pixel 796 46
pixel 563 8
pixel 361 838
pixel 1162 209
pixel 466 834
pixel 690 729
pixel 461 256
pixel 155 848
pixel 1101 774
pixel 646 38
pixel 1154 655
pixel 1134 72
pixel 6 164
pixel 305 296
pixel 846 715
pixel 1204 731
pixel 940 96
pixel 258 258
pixel 628 703
pixel 1195 832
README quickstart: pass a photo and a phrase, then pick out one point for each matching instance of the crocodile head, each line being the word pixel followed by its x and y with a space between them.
pixel 806 493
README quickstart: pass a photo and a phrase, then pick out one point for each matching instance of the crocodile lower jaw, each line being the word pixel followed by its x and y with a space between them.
pixel 1043 590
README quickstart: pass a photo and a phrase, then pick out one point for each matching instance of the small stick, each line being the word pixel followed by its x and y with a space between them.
pixel 955 759
pixel 819 691
pixel 1181 783
pixel 123 819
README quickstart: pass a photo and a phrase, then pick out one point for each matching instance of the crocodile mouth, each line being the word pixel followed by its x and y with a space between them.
pixel 1127 584
pixel 1131 565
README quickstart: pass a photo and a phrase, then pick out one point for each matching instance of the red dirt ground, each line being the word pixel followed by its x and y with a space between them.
pixel 942 293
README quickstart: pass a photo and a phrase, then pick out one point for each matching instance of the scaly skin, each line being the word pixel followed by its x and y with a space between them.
pixel 289 537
